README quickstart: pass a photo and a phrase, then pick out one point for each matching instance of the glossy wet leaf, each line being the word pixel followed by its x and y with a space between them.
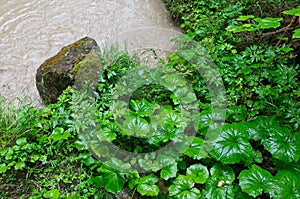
pixel 147 185
pixel 183 187
pixel 283 145
pixel 219 184
pixel 114 182
pixel 257 180
pixel 289 185
pixel 198 173
pixel 196 150
pixel 232 145
pixel 141 108
pixel 169 172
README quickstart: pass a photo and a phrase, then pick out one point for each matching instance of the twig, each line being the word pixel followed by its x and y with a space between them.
pixel 284 29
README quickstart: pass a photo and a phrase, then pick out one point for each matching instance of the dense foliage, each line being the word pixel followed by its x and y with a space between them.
pixel 256 154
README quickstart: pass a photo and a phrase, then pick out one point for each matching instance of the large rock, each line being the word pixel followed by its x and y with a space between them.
pixel 77 62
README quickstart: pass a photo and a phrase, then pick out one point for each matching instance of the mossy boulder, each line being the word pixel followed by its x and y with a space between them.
pixel 74 64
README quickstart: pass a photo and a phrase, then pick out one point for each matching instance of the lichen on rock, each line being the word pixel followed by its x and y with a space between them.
pixel 77 62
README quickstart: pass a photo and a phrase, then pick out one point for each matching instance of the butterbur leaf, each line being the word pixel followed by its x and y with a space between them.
pixel 141 107
pixel 219 184
pixel 196 150
pixel 289 184
pixel 172 81
pixel 53 194
pixel 114 182
pixel 268 22
pixel 256 180
pixel 295 12
pixel 147 185
pixel 135 126
pixel 169 172
pixel 198 173
pixel 283 145
pixel 232 145
pixel 182 187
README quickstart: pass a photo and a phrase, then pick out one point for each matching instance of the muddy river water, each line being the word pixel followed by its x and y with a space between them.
pixel 33 30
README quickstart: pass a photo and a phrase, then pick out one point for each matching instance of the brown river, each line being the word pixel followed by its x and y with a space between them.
pixel 33 30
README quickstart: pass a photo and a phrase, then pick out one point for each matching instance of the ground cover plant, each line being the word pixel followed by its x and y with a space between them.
pixel 256 154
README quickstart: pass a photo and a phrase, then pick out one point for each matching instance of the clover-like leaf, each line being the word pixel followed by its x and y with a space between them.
pixel 114 182
pixel 169 172
pixel 268 22
pixel 256 180
pixel 284 145
pixel 198 173
pixel 183 187
pixel 147 185
pixel 232 145
pixel 289 184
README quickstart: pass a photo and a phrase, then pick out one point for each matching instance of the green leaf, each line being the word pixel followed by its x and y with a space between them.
pixel 114 182
pixel 289 184
pixel 245 17
pixel 3 168
pixel 97 181
pixel 268 22
pixel 296 34
pixel 172 81
pixel 295 12
pixel 21 141
pixel 135 126
pixel 219 184
pixel 235 29
pixel 196 150
pixel 141 107
pixel 282 144
pixel 20 165
pixel 256 180
pixel 147 187
pixel 60 134
pixel 198 173
pixel 53 194
pixel 183 187
pixel 169 172
pixel 238 113
pixel 232 145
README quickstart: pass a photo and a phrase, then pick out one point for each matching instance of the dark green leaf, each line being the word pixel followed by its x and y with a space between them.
pixel 198 173
pixel 114 182
pixel 196 150
pixel 182 187
pixel 232 145
pixel 289 184
pixel 169 172
pixel 284 145
pixel 147 187
pixel 256 180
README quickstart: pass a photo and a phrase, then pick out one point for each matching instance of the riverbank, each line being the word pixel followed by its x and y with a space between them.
pixel 256 149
